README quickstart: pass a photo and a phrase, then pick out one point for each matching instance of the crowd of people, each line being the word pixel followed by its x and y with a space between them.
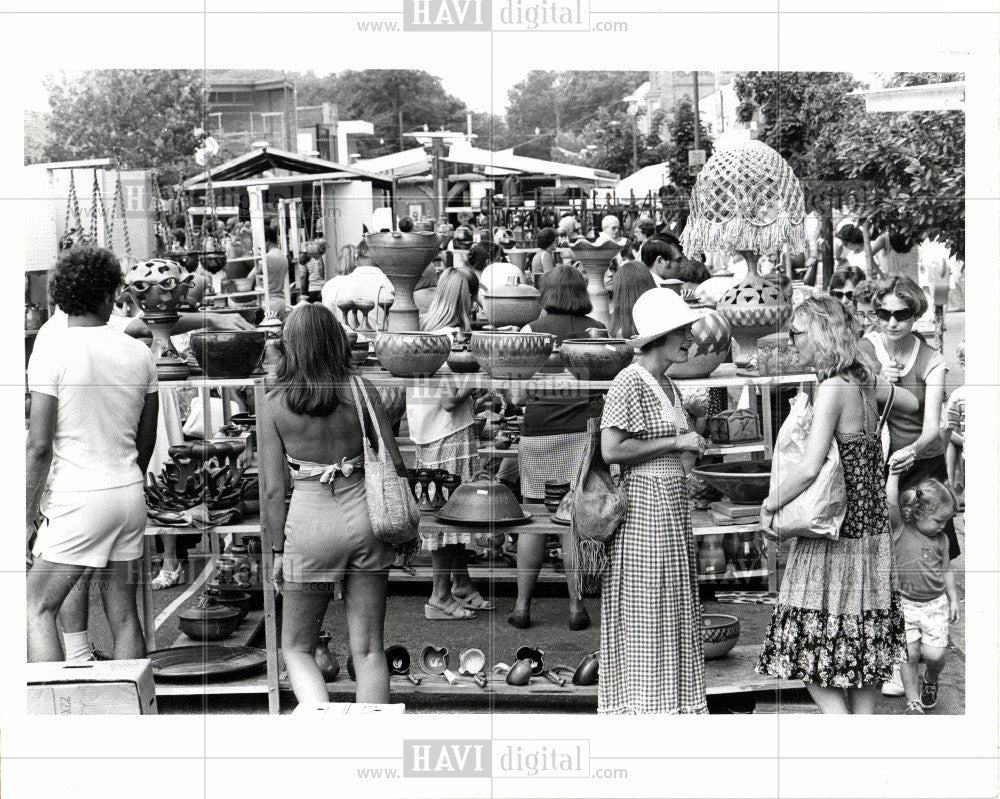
pixel 854 614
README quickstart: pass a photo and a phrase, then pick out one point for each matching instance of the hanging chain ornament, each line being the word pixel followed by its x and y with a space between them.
pixel 317 211
pixel 119 205
pixel 72 205
pixel 99 200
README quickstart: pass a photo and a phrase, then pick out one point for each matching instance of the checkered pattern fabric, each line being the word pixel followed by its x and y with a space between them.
pixel 556 458
pixel 651 648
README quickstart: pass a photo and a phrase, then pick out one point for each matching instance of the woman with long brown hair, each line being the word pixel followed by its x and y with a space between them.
pixel 310 428
pixel 632 280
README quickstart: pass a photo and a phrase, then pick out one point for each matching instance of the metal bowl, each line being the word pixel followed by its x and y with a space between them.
pixel 742 481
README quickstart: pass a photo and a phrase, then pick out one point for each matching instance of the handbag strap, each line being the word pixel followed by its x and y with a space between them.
pixel 370 453
pixel 885 413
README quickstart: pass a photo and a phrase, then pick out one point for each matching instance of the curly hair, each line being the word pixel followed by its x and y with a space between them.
pixel 864 292
pixel 83 280
pixel 835 336
pixel 926 497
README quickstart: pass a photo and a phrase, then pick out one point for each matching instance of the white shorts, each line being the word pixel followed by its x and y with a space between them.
pixel 90 528
pixel 927 621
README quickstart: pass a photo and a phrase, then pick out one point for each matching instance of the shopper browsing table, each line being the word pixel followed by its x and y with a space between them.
pixel 651 647
pixel 93 420
pixel 838 623
pixel 309 427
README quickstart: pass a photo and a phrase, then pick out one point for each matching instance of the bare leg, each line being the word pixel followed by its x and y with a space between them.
pixel 830 700
pixel 909 672
pixel 861 701
pixel 441 560
pixel 75 611
pixel 460 577
pixel 170 561
pixel 118 588
pixel 47 587
pixel 364 601
pixel 302 612
pixel 530 554
pixel 934 657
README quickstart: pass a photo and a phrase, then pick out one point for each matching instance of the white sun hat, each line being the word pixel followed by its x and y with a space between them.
pixel 657 312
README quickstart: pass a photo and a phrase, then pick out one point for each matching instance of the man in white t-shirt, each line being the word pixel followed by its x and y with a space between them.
pixel 92 432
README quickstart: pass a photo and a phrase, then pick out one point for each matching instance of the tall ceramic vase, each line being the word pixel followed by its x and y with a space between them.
pixel 753 307
pixel 596 261
pixel 403 257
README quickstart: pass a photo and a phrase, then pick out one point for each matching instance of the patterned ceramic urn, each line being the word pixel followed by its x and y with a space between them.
pixel 754 307
pixel 712 337
pixel 412 354
pixel 511 356
pixel 158 286
pixel 403 257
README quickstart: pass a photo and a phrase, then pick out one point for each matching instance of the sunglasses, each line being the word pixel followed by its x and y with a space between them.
pixel 902 315
pixel 842 295
pixel 793 334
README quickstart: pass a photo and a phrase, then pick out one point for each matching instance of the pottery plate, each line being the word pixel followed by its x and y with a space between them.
pixel 205 662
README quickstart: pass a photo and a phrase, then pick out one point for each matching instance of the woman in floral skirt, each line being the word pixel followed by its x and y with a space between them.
pixel 651 648
pixel 838 625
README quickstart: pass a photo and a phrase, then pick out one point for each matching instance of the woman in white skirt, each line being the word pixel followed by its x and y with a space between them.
pixel 442 425
pixel 553 440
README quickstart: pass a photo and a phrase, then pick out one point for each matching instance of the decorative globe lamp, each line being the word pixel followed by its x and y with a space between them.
pixel 158 286
pixel 403 257
pixel 747 200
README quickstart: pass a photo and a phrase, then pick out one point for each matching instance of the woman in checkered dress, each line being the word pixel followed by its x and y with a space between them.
pixel 651 648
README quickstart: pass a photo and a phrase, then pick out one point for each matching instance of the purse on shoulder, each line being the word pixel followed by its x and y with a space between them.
pixel 391 508
pixel 598 507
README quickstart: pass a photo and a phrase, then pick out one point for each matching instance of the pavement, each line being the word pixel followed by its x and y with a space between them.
pixel 489 631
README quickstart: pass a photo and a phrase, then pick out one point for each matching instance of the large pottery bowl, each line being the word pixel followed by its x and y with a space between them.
pixel 742 481
pixel 482 501
pixel 403 257
pixel 210 621
pixel 412 354
pixel 712 338
pixel 596 358
pixel 719 634
pixel 511 356
pixel 230 354
pixel 512 306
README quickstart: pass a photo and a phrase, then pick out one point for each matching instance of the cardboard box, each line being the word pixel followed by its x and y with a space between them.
pixel 97 688
pixel 347 709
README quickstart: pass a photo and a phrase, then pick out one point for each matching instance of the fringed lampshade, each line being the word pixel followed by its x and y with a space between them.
pixel 746 199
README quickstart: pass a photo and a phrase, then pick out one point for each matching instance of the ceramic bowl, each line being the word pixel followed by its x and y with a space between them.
pixel 230 354
pixel 213 622
pixel 719 634
pixel 511 356
pixel 712 338
pixel 516 306
pixel 742 481
pixel 482 501
pixel 240 600
pixel 412 354
pixel 461 361
pixel 596 358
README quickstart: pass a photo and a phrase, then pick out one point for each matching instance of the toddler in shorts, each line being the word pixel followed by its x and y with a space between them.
pixel 927 584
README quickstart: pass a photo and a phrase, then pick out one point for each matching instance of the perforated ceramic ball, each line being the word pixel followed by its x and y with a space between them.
pixel 155 270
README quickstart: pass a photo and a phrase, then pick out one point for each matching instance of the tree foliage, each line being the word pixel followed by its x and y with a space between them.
pixel 915 161
pixel 144 118
pixel 681 139
pixel 607 142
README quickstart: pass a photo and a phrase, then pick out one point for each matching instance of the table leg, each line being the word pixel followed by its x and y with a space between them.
pixel 765 406
pixel 148 611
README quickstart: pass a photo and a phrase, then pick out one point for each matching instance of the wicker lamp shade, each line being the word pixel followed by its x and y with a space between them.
pixel 746 199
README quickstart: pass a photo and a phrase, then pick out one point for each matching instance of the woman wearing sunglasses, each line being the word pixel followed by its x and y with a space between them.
pixel 918 371
pixel 843 283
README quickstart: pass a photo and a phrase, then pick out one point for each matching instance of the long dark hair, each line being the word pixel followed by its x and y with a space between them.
pixel 632 280
pixel 315 361
pixel 564 290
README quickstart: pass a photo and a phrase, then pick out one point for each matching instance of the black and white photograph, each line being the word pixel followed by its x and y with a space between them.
pixel 392 423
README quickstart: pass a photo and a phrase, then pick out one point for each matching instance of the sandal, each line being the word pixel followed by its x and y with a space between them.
pixel 450 612
pixel 168 579
pixel 914 709
pixel 520 620
pixel 472 601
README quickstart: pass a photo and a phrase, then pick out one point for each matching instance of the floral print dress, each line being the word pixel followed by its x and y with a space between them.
pixel 838 622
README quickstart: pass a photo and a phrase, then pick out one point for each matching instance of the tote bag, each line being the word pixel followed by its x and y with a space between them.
pixel 391 508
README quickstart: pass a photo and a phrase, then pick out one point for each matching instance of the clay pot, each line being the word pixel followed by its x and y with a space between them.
pixel 511 356
pixel 403 257
pixel 586 673
pixel 359 352
pixel 742 481
pixel 711 556
pixel 753 308
pixel 513 306
pixel 596 261
pixel 230 354
pixel 483 501
pixel 461 361
pixel 412 354
pixel 520 673
pixel 240 600
pixel 719 634
pixel 325 658
pixel 712 337
pixel 209 621
pixel 397 659
pixel 596 358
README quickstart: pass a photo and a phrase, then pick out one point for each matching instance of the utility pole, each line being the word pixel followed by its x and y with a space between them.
pixel 697 116
pixel 635 142
pixel 400 117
